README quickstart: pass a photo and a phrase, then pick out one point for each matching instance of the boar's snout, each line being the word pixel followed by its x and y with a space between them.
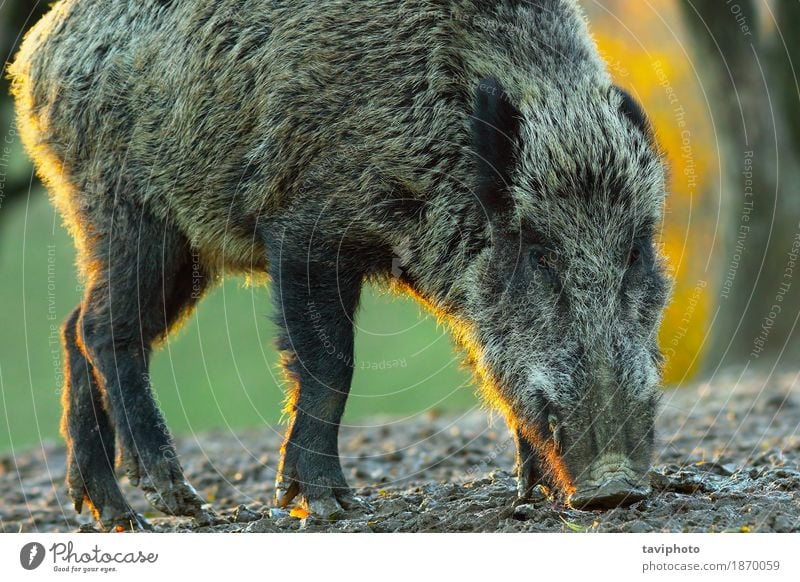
pixel 609 484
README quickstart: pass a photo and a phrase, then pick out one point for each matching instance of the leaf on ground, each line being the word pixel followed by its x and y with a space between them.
pixel 299 513
pixel 574 526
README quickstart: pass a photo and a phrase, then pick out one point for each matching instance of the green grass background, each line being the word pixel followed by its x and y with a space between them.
pixel 219 371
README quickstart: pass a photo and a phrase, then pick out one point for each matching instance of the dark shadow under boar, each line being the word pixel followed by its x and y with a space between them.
pixel 472 154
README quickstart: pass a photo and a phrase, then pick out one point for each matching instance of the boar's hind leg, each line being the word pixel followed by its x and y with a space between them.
pixel 140 281
pixel 316 297
pixel 90 440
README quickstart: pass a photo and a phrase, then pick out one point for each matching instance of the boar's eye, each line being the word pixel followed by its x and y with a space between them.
pixel 543 257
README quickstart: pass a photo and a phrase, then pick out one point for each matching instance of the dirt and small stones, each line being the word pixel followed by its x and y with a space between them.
pixel 525 511
pixel 728 460
pixel 262 526
pixel 244 514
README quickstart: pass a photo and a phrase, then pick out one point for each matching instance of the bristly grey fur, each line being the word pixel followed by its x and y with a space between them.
pixel 253 133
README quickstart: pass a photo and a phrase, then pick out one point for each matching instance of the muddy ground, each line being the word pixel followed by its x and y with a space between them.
pixel 728 460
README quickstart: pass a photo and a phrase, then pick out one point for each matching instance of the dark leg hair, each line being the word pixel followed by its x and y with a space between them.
pixel 529 467
pixel 90 440
pixel 141 279
pixel 316 296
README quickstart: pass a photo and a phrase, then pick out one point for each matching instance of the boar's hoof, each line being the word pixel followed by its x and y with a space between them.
pixel 340 505
pixel 175 498
pixel 162 481
pixel 317 480
pixel 535 494
pixel 613 493
pixel 321 500
pixel 325 507
pixel 328 503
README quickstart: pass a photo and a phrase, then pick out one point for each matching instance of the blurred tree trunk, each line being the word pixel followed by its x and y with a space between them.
pixel 16 16
pixel 746 71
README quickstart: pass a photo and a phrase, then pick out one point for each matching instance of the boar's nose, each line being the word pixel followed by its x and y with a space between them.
pixel 613 491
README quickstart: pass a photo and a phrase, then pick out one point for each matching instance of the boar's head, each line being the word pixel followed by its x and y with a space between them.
pixel 563 305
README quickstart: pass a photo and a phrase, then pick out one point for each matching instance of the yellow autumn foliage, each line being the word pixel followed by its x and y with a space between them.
pixel 643 45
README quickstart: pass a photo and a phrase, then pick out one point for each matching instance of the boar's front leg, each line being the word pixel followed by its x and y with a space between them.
pixel 530 470
pixel 316 293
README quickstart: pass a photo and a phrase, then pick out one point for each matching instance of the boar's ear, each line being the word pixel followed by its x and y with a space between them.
pixel 495 138
pixel 631 109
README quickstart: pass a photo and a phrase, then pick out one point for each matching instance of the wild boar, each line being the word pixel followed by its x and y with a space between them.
pixel 480 146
